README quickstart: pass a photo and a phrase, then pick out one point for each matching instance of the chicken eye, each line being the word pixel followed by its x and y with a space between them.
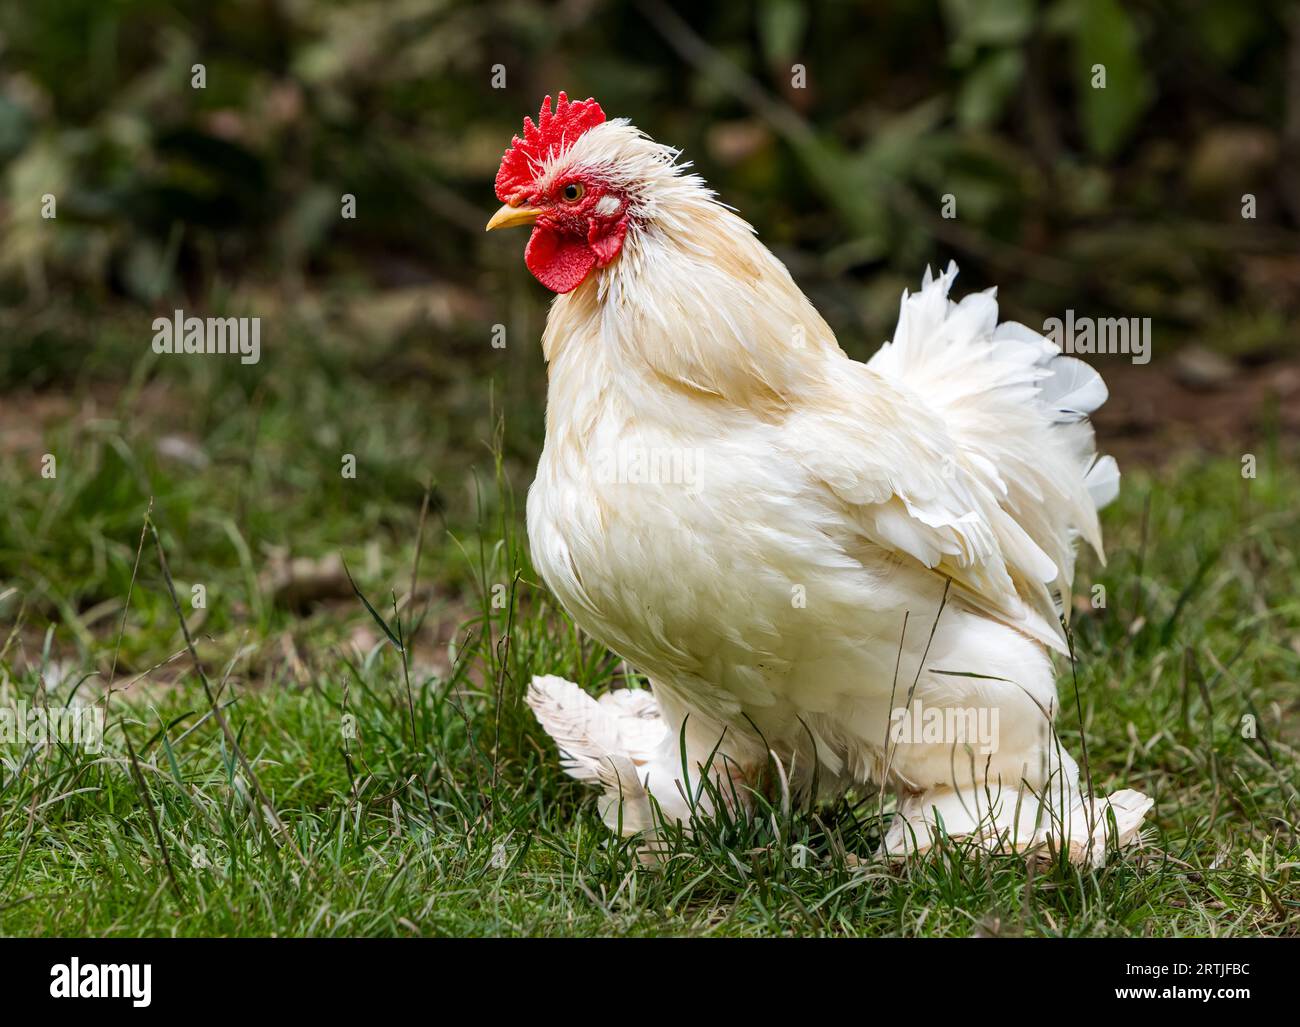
pixel 572 192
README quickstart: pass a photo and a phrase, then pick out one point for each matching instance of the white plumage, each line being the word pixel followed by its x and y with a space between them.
pixel 792 545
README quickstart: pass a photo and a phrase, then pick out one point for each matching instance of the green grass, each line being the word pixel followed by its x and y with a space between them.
pixel 444 811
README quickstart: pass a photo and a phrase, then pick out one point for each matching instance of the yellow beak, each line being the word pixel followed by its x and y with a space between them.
pixel 508 217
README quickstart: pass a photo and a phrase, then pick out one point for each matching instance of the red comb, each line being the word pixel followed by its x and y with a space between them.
pixel 553 132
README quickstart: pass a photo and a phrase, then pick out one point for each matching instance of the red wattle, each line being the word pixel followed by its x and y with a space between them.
pixel 559 261
pixel 606 240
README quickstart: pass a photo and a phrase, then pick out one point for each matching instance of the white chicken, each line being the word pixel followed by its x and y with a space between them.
pixel 834 568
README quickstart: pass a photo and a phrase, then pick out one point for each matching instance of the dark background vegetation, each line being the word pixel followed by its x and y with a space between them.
pixel 1124 200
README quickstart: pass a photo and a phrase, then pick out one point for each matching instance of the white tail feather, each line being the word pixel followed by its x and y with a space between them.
pixel 1018 409
pixel 1102 481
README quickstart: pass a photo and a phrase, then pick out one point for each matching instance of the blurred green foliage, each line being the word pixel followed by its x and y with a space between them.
pixel 1127 198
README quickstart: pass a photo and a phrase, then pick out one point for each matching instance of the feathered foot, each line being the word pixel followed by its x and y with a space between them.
pixel 606 742
pixel 1019 822
pixel 626 744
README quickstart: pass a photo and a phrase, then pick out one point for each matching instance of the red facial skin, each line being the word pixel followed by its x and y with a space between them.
pixel 570 238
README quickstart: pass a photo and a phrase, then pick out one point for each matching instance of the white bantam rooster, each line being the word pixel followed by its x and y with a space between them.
pixel 832 569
